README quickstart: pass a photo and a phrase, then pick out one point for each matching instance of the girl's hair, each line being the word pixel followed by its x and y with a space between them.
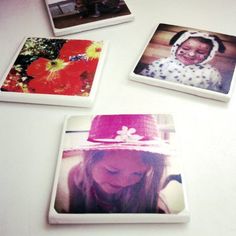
pixel 141 197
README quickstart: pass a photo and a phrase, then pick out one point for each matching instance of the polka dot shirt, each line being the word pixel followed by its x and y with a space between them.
pixel 170 69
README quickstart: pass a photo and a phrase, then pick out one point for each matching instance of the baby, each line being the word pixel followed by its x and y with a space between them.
pixel 188 62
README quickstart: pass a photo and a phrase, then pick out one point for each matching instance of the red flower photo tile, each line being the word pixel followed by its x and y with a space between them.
pixel 54 67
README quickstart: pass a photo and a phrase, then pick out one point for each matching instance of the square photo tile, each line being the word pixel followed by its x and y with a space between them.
pixel 73 16
pixel 189 60
pixel 121 168
pixel 54 71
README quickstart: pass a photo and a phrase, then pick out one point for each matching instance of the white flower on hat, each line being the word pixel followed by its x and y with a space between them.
pixel 127 134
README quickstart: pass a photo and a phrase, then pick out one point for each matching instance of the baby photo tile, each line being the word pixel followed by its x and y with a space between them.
pixel 73 16
pixel 54 71
pixel 121 168
pixel 189 60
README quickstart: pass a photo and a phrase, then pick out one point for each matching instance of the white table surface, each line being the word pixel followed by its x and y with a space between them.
pixel 30 134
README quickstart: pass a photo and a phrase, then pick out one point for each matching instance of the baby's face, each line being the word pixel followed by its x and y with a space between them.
pixel 119 169
pixel 192 51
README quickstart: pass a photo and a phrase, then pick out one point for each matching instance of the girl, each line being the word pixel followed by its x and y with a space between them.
pixel 188 62
pixel 116 181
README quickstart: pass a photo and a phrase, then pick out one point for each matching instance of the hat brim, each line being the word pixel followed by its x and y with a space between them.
pixel 163 148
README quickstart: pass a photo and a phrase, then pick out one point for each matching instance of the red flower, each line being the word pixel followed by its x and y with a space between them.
pixel 72 73
pixel 73 48
pixel 56 76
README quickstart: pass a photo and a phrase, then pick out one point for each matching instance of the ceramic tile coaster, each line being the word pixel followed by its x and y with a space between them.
pixel 54 71
pixel 73 16
pixel 118 169
pixel 189 60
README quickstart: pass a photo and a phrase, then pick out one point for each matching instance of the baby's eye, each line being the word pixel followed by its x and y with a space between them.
pixel 111 171
pixel 138 174
pixel 202 53
pixel 185 48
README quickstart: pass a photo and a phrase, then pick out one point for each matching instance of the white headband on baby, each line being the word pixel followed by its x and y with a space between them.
pixel 192 34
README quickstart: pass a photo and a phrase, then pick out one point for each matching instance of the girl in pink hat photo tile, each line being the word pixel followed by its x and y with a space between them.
pixel 123 166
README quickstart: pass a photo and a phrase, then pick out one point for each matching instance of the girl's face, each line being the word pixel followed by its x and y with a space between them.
pixel 192 51
pixel 119 169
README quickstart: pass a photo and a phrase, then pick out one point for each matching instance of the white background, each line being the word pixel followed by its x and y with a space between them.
pixel 30 134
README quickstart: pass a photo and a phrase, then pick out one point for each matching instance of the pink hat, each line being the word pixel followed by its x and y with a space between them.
pixel 125 132
pixel 122 128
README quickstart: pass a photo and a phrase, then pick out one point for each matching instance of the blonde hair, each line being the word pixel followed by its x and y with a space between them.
pixel 141 197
